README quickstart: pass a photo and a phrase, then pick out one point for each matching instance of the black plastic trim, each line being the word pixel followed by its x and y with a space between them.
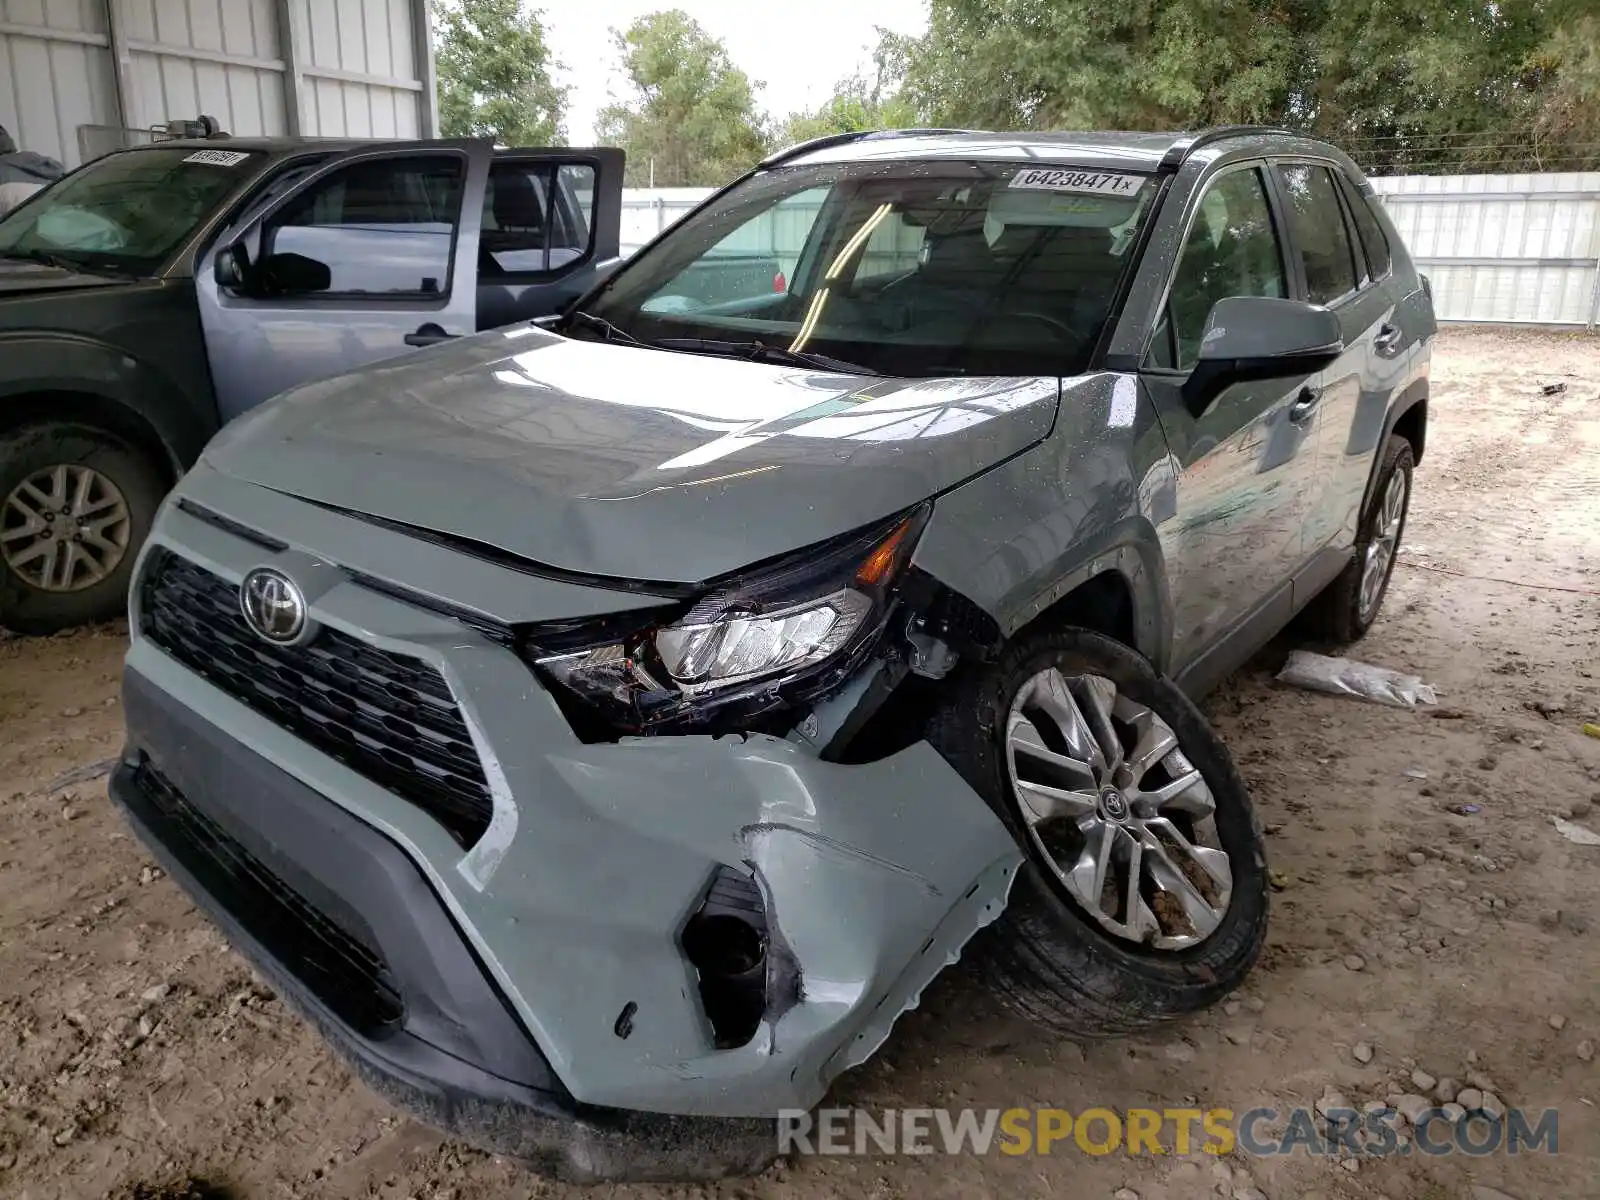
pixel 462 1061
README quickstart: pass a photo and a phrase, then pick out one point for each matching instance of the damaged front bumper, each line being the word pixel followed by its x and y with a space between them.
pixel 548 973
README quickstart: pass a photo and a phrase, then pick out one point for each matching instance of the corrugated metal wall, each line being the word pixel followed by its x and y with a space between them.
pixel 1504 249
pixel 55 72
pixel 337 68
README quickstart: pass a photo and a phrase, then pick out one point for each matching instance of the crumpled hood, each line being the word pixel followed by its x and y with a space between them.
pixel 627 462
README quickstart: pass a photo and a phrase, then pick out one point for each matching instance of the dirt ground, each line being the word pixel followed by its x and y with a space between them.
pixel 137 1053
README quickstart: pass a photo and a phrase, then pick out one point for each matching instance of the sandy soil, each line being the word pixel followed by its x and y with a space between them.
pixel 138 1055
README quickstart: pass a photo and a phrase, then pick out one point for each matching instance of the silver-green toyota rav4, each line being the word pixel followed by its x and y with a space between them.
pixel 604 729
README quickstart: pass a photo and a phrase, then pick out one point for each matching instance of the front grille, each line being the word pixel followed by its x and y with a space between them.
pixel 338 965
pixel 388 716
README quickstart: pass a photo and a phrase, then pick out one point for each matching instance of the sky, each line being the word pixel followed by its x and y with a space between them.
pixel 797 50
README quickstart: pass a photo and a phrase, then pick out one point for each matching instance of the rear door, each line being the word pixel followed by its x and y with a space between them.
pixel 550 226
pixel 1354 391
pixel 372 253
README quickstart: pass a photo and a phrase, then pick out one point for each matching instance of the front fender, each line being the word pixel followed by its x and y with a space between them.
pixel 53 363
pixel 1083 502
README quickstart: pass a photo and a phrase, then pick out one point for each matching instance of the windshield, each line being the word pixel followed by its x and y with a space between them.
pixel 125 212
pixel 905 268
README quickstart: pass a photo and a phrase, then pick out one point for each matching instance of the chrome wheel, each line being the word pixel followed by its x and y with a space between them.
pixel 1385 541
pixel 64 528
pixel 1116 812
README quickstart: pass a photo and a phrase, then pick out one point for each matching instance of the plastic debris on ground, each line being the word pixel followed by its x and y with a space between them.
pixel 1346 677
pixel 1576 833
pixel 1553 389
pixel 1592 729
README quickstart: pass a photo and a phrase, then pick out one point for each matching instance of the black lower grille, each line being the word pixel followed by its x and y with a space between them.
pixel 337 964
pixel 388 716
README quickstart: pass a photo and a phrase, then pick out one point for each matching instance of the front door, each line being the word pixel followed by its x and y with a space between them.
pixel 375 252
pixel 1244 460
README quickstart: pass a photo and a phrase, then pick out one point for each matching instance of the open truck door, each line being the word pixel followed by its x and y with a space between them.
pixel 406 244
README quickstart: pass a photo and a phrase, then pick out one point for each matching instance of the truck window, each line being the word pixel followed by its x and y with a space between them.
pixel 382 227
pixel 536 217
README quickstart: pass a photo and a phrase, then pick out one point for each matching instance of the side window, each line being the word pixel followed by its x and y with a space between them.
pixel 575 206
pixel 1232 250
pixel 1317 222
pixel 1363 208
pixel 536 217
pixel 385 227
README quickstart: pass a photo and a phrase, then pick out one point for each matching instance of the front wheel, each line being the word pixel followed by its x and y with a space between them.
pixel 75 506
pixel 1144 893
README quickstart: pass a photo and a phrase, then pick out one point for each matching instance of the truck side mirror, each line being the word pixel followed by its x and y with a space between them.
pixel 231 267
pixel 1260 337
pixel 289 274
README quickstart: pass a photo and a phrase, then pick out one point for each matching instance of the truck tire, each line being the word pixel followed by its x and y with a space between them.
pixel 75 506
pixel 1176 916
pixel 1349 605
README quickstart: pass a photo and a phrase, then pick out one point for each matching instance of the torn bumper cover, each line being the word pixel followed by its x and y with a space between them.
pixel 543 993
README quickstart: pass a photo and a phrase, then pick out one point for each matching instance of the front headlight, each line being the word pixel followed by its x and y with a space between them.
pixel 756 641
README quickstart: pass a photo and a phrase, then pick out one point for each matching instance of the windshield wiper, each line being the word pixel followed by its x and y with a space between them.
pixel 65 262
pixel 44 257
pixel 758 351
pixel 611 333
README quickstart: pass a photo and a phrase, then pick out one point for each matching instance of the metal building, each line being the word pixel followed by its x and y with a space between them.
pixel 75 73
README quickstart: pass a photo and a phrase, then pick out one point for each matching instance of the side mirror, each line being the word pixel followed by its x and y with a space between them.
pixel 291 274
pixel 231 267
pixel 1260 337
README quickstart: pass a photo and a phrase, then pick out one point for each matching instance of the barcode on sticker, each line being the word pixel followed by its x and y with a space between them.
pixel 217 158
pixel 1097 183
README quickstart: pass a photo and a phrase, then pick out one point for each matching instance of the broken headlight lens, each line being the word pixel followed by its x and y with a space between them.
pixel 736 647
pixel 799 623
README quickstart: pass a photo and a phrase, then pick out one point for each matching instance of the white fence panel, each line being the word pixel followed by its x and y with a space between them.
pixel 1504 249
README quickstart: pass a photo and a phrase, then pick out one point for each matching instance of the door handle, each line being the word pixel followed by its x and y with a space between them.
pixel 1304 404
pixel 1388 339
pixel 428 335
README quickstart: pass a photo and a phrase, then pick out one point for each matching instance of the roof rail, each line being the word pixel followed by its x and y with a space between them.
pixel 1189 143
pixel 843 139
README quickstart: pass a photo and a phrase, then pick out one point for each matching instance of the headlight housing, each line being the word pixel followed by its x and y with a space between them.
pixel 752 646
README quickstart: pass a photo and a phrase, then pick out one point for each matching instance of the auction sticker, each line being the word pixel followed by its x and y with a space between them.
pixel 1095 183
pixel 218 158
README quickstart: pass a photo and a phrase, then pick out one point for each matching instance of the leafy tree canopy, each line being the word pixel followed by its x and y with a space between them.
pixel 691 120
pixel 494 72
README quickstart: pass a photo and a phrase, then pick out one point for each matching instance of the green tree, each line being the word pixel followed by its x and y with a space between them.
pixel 857 103
pixel 691 120
pixel 494 73
pixel 1423 85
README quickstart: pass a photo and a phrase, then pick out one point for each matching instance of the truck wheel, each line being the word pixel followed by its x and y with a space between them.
pixel 1349 605
pixel 1144 890
pixel 75 506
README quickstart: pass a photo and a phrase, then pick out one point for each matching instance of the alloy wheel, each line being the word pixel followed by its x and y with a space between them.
pixel 1116 812
pixel 1385 542
pixel 64 528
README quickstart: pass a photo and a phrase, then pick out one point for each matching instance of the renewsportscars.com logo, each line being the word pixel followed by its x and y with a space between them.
pixel 1267 1132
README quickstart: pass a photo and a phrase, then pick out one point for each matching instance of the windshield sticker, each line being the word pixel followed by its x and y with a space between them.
pixel 218 158
pixel 1094 183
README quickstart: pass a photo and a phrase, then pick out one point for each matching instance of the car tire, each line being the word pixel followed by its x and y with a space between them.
pixel 1047 956
pixel 103 492
pixel 1344 612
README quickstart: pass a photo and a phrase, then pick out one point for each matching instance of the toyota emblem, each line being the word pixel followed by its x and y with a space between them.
pixel 272 605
